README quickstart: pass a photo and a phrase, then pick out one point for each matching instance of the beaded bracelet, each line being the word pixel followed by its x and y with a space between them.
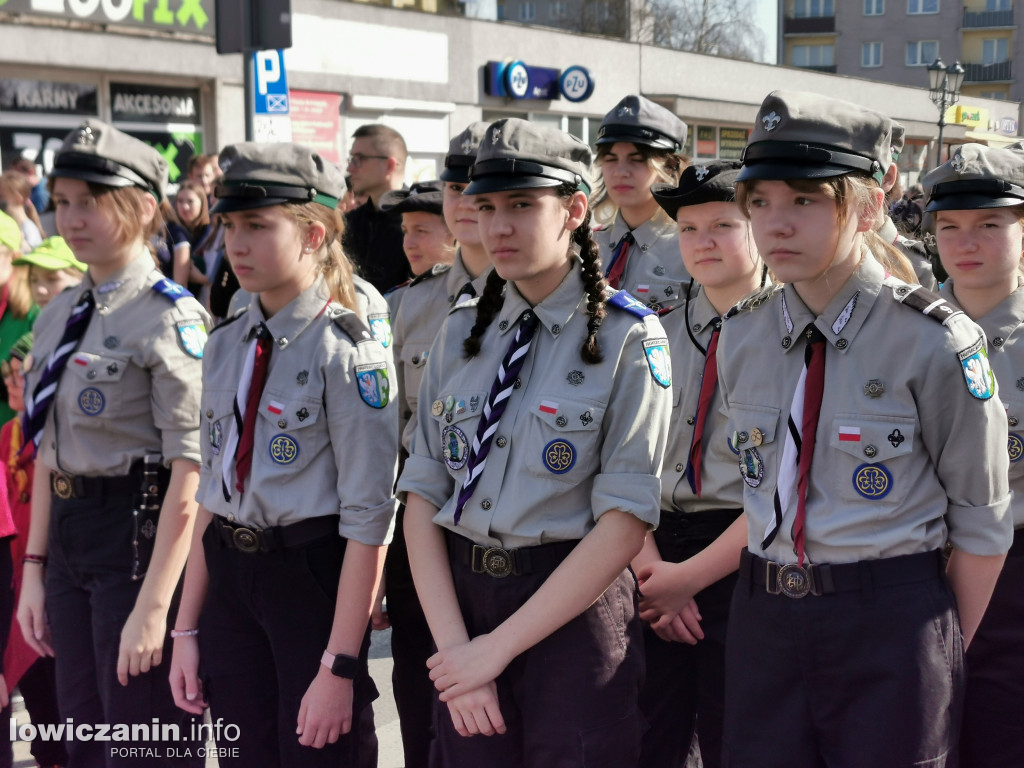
pixel 34 560
pixel 176 633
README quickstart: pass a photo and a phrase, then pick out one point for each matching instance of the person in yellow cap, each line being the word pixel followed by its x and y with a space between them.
pixel 52 267
pixel 17 313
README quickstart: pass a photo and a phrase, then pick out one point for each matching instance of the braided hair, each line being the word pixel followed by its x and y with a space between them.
pixel 493 296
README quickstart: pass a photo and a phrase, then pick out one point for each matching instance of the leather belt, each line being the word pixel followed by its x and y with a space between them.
pixel 499 563
pixel 795 581
pixel 65 486
pixel 249 539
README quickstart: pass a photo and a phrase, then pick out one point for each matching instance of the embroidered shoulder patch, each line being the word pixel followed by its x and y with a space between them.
pixel 659 361
pixel 192 334
pixel 981 382
pixel 623 300
pixel 380 327
pixel 374 385
pixel 170 289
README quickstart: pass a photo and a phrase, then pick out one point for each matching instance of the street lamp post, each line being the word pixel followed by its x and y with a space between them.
pixel 944 88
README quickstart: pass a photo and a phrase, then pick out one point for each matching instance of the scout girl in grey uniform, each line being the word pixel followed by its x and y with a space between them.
pixel 419 317
pixel 844 644
pixel 701 494
pixel 637 145
pixel 113 409
pixel 296 500
pixel 977 199
pixel 536 462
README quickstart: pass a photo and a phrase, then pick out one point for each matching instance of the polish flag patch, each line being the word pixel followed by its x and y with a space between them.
pixel 643 289
pixel 849 434
pixel 275 407
pixel 546 406
pixel 80 360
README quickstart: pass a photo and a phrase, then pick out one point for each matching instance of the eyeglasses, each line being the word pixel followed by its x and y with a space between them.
pixel 357 160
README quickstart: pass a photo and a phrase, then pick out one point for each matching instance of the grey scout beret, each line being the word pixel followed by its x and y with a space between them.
pixel 699 184
pixel 424 196
pixel 261 175
pixel 800 135
pixel 977 177
pixel 517 154
pixel 462 153
pixel 98 153
pixel 640 121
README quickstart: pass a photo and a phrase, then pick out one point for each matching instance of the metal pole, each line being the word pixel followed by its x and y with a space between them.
pixel 247 71
pixel 942 119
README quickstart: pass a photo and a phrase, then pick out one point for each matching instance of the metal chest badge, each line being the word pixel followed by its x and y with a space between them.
pixel 380 327
pixel 659 361
pixel 192 335
pixel 374 385
pixel 454 447
pixel 981 382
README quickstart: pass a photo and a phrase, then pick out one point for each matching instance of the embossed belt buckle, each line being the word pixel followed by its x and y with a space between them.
pixel 62 487
pixel 245 540
pixel 794 581
pixel 496 562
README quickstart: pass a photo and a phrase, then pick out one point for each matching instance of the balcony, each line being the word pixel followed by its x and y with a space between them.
pixel 809 25
pixel 988 73
pixel 975 19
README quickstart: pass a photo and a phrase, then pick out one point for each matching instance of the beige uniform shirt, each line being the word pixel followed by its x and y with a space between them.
pixel 654 273
pixel 326 438
pixel 423 309
pixel 721 488
pixel 132 386
pixel 575 441
pixel 904 450
pixel 1004 329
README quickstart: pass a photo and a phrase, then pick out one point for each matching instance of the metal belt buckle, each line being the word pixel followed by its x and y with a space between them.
pixel 245 540
pixel 794 581
pixel 496 562
pixel 62 487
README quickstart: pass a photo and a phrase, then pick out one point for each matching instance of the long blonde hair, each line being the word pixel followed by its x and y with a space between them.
pixel 667 166
pixel 334 264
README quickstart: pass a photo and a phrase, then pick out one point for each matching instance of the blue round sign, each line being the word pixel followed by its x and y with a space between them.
pixel 517 80
pixel 576 83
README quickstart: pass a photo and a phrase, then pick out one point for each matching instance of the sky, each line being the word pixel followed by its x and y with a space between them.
pixel 767 19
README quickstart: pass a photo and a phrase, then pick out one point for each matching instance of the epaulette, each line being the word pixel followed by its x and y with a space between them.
pixel 394 288
pixel 757 299
pixel 170 289
pixel 229 320
pixel 434 271
pixel 352 326
pixel 926 302
pixel 624 300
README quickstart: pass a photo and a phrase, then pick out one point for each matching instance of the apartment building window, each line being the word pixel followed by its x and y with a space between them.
pixel 557 9
pixel 922 53
pixel 999 5
pixel 804 9
pixel 995 51
pixel 526 11
pixel 813 55
pixel 874 7
pixel 871 55
pixel 997 95
pixel 922 6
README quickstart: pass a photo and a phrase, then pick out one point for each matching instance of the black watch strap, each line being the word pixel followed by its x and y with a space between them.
pixel 341 665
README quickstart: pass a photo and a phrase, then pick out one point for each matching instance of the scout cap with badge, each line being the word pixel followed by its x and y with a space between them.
pixel 699 184
pixel 637 120
pixel 977 177
pixel 53 254
pixel 517 154
pixel 261 175
pixel 462 153
pixel 100 154
pixel 799 135
pixel 10 233
pixel 899 139
pixel 421 197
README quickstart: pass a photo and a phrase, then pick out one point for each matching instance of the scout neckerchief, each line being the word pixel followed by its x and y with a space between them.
pixel 617 266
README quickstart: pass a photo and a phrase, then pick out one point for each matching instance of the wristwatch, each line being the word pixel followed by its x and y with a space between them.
pixel 341 665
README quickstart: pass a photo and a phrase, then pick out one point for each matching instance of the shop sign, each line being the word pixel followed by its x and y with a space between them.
pixel 731 142
pixel 316 122
pixel 44 97
pixel 1007 126
pixel 707 146
pixel 177 147
pixel 192 16
pixel 518 80
pixel 154 104
pixel 966 115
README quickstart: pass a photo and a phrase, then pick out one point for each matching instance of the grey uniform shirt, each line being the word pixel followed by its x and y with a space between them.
pixel 654 272
pixel 1004 328
pixel 424 306
pixel 903 450
pixel 721 487
pixel 326 438
pixel 576 439
pixel 132 386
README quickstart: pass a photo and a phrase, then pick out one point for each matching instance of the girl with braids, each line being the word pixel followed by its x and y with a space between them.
pixel 533 477
pixel 299 454
pixel 637 146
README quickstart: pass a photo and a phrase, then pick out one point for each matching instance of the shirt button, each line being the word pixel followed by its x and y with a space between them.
pixel 742 437
pixel 556 329
pixel 209 414
pixel 282 342
pixel 1013 421
pixel 282 423
pixel 451 299
pixel 644 248
pixel 842 344
pixel 870 451
pixel 697 327
pixel 786 341
pixel 502 442
pixel 561 421
pixel 415 359
pixel 659 270
pixel 485 504
pixel 91 375
pixel 503 325
pixel 998 341
pixel 518 384
pixel 680 467
pixel 689 420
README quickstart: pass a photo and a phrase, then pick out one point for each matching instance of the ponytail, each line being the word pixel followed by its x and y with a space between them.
pixel 596 285
pixel 334 265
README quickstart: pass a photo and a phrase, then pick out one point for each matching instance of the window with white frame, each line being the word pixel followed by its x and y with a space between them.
pixel 557 9
pixel 871 55
pixel 814 55
pixel 526 11
pixel 997 95
pixel 805 9
pixel 995 51
pixel 921 53
pixel 922 6
pixel 874 7
pixel 998 5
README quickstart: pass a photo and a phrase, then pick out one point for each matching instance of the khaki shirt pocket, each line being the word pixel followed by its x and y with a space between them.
pixel 95 385
pixel 872 465
pixel 456 415
pixel 218 416
pixel 1015 439
pixel 754 438
pixel 414 360
pixel 563 439
pixel 293 431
